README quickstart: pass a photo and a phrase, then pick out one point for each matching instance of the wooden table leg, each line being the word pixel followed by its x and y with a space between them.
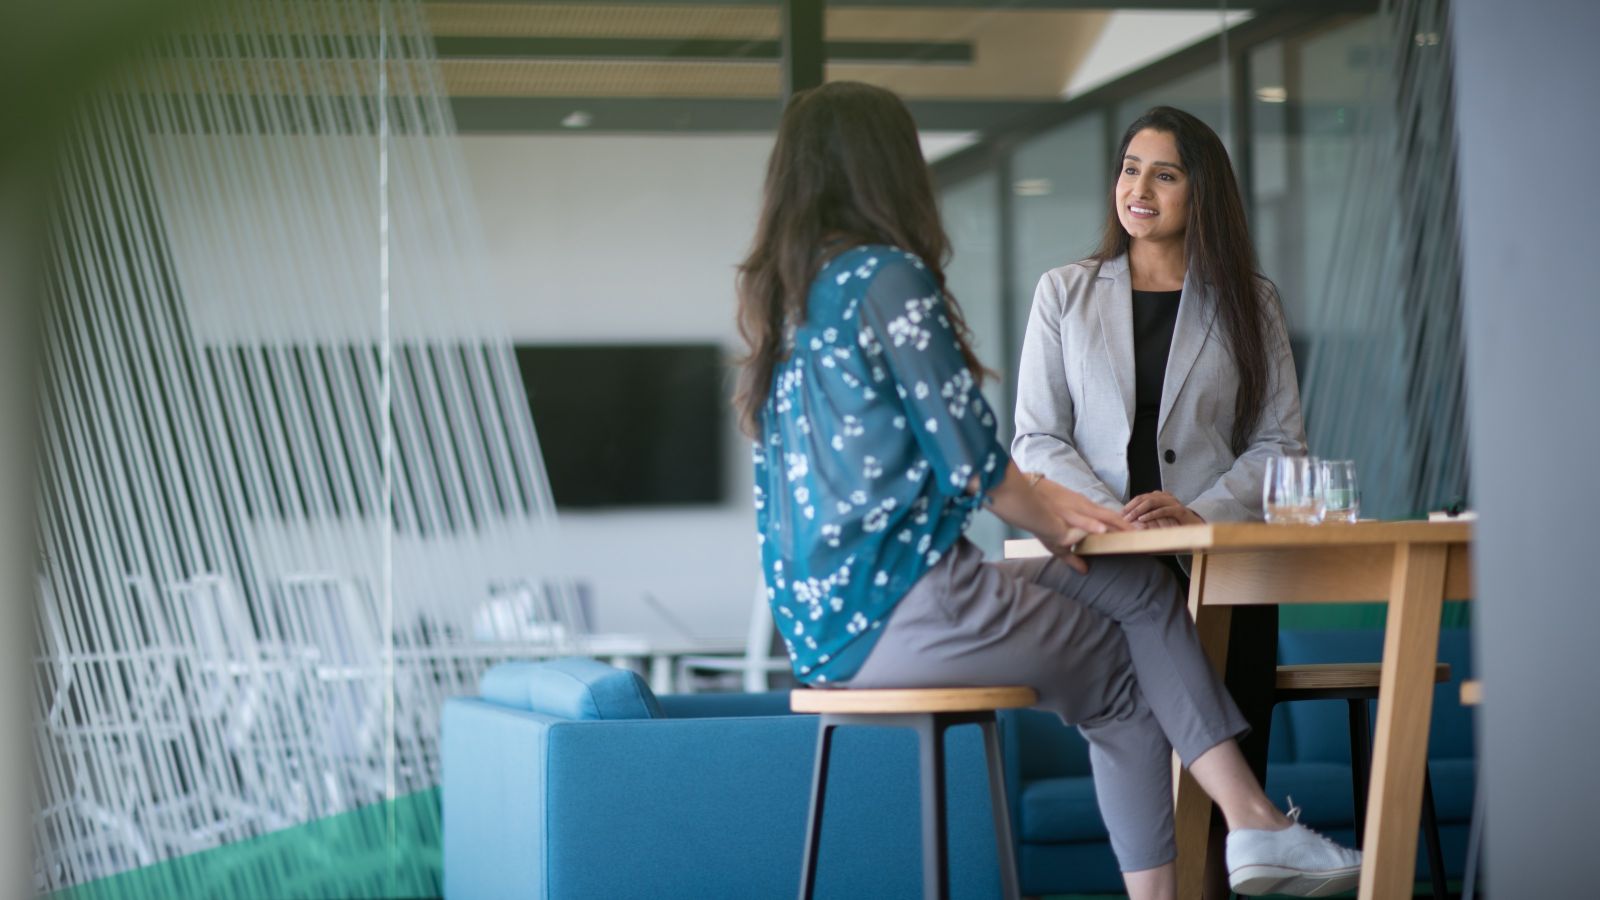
pixel 1405 707
pixel 1192 808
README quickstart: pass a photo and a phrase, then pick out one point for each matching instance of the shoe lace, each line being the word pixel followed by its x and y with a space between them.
pixel 1294 816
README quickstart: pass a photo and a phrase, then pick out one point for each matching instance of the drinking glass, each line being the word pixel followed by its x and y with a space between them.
pixel 1290 494
pixel 1341 499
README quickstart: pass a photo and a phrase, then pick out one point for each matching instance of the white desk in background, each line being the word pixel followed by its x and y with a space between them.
pixel 654 657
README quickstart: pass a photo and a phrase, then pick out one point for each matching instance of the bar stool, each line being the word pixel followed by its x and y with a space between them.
pixel 929 712
pixel 1357 685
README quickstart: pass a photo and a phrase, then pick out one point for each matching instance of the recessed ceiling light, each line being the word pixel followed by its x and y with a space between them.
pixel 1032 187
pixel 1276 93
pixel 577 119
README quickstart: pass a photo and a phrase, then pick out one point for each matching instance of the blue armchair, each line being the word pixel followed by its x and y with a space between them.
pixel 568 780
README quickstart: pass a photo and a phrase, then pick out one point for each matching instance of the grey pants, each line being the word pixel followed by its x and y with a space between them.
pixel 1113 652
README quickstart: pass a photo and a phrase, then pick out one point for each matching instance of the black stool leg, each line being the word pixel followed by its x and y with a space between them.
pixel 819 791
pixel 1009 889
pixel 935 875
pixel 1469 880
pixel 1430 830
pixel 1360 763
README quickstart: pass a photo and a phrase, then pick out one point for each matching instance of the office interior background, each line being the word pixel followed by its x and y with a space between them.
pixel 384 341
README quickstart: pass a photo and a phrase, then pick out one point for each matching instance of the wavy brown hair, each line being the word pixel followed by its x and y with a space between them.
pixel 1219 252
pixel 846 170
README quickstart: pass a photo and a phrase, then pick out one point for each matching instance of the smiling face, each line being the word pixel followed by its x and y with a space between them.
pixel 1153 190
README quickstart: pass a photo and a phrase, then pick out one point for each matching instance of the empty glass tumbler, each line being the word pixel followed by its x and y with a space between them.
pixel 1291 494
pixel 1341 499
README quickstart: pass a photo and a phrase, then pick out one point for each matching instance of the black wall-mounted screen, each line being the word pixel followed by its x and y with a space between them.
pixel 628 424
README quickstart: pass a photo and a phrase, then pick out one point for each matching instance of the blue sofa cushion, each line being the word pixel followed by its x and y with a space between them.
pixel 1061 810
pixel 570 688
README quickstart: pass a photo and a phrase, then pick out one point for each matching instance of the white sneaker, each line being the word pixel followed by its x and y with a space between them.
pixel 1295 861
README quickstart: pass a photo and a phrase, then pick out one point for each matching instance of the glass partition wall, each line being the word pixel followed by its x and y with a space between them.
pixel 1309 107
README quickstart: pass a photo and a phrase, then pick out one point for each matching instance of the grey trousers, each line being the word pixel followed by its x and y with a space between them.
pixel 1113 652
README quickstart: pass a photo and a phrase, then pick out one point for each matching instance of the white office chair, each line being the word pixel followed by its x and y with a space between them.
pixel 757 663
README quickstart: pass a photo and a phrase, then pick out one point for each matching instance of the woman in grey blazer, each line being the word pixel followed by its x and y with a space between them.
pixel 1156 379
pixel 1156 375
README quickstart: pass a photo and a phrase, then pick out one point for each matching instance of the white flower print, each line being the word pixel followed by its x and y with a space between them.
pixel 868 341
pixel 899 421
pixel 881 579
pixel 830 533
pixel 933 557
pixel 858 622
pixel 799 467
pixel 830 334
pixel 870 467
pixel 921 390
pixel 858 497
pixel 836 603
pixel 816 343
pixel 837 442
pixel 932 425
pixel 802 494
pixel 904 330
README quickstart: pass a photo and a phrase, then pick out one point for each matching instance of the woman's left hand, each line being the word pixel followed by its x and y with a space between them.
pixel 1159 509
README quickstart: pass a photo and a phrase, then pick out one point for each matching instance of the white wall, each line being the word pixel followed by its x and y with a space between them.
pixel 608 238
pixel 619 238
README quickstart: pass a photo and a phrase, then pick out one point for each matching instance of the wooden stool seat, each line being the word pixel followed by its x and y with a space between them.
pixel 912 700
pixel 929 712
pixel 1342 676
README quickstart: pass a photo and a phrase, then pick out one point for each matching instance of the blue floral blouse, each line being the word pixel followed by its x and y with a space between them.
pixel 873 428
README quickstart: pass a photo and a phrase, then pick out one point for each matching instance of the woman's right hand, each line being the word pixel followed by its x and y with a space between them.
pixel 1078 511
pixel 1063 544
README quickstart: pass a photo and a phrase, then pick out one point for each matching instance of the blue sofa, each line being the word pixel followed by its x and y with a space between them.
pixel 568 779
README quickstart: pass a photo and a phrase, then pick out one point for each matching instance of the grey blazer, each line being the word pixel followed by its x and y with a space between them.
pixel 1075 396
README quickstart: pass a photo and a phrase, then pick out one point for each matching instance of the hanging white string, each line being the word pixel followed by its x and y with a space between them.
pixel 1383 381
pixel 277 529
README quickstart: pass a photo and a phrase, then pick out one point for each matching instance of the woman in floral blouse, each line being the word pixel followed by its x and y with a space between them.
pixel 873 447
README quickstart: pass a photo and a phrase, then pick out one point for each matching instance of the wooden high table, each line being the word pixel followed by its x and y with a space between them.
pixel 1413 566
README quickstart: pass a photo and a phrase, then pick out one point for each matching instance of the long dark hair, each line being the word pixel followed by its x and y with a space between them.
pixel 1219 253
pixel 847 170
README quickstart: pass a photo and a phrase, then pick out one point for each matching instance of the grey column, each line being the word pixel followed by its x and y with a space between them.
pixel 1526 76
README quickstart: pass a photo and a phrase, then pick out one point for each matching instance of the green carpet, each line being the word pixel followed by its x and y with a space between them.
pixel 387 850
